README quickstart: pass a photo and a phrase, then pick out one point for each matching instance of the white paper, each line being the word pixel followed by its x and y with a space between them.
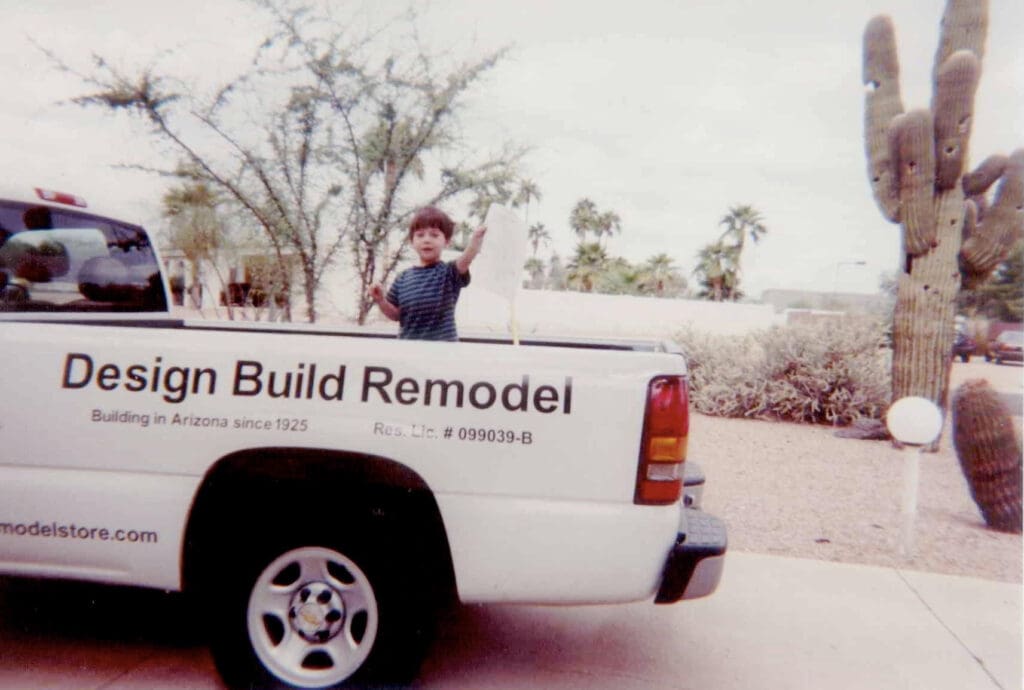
pixel 498 268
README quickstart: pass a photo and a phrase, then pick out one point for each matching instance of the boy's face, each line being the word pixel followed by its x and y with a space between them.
pixel 428 243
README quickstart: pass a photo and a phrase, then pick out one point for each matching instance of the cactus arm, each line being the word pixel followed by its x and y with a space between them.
pixel 968 278
pixel 912 149
pixel 882 104
pixel 953 105
pixel 980 202
pixel 964 27
pixel 970 220
pixel 990 170
pixel 1002 227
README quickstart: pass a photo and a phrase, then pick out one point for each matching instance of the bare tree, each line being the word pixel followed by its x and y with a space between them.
pixel 321 140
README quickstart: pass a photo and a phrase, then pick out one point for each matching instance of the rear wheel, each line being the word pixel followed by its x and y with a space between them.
pixel 315 613
pixel 312 617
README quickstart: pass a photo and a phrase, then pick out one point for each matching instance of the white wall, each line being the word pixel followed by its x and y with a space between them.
pixel 542 312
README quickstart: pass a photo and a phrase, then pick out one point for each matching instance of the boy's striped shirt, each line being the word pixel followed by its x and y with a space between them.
pixel 426 296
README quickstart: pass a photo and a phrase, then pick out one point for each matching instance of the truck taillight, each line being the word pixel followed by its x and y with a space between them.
pixel 663 447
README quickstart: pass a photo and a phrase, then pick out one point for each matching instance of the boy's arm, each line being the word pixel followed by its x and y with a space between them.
pixel 475 242
pixel 386 307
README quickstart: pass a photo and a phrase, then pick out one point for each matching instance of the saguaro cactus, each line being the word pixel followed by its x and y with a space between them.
pixel 916 161
pixel 989 453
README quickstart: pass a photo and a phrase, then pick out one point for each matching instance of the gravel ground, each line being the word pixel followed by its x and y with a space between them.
pixel 796 490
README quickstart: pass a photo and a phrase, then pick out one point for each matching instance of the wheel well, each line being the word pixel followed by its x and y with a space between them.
pixel 235 505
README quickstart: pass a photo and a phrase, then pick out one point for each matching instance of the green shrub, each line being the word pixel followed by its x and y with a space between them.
pixel 830 372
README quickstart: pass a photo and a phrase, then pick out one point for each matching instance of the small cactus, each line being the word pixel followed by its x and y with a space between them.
pixel 989 453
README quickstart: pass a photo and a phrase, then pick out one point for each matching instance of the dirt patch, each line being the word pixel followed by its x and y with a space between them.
pixel 797 490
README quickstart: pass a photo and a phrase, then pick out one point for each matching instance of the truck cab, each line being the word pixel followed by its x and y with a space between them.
pixel 57 256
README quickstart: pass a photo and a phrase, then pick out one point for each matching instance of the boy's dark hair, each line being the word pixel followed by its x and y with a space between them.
pixel 430 217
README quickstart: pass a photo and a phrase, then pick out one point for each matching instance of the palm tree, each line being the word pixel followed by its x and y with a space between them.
pixel 198 231
pixel 535 267
pixel 742 221
pixel 538 234
pixel 587 266
pixel 583 218
pixel 660 275
pixel 716 270
pixel 607 224
pixel 528 191
pixel 556 274
pixel 620 277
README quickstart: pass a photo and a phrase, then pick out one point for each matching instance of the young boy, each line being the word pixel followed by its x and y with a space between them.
pixel 422 298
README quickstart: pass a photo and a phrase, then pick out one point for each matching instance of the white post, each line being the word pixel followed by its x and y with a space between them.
pixel 908 513
pixel 515 323
pixel 914 422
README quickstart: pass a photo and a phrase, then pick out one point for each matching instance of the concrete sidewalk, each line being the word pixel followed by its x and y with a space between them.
pixel 775 623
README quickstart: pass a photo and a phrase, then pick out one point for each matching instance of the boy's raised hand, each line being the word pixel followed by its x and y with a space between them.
pixel 476 240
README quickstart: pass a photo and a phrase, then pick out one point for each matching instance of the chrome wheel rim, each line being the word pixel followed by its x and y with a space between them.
pixel 312 617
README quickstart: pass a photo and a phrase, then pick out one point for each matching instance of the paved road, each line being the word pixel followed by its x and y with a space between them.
pixel 1005 379
pixel 774 623
pixel 1015 401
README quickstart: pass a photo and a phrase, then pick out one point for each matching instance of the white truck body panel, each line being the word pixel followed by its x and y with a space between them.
pixel 515 550
pixel 529 511
pixel 94 524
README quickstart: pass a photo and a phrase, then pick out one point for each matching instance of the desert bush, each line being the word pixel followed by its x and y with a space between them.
pixel 831 372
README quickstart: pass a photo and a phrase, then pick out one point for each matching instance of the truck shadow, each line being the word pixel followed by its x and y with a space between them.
pixel 34 608
pixel 554 647
pixel 67 634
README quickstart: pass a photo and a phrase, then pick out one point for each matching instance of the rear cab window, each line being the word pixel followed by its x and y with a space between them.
pixel 63 260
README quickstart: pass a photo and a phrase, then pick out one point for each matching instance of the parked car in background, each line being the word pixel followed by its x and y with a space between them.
pixel 1008 347
pixel 964 346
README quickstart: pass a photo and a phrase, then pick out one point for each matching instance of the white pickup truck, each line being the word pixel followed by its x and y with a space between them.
pixel 322 492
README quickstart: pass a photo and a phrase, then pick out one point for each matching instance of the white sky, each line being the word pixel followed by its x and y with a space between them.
pixel 667 112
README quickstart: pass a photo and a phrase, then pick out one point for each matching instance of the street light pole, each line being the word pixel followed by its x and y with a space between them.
pixel 835 278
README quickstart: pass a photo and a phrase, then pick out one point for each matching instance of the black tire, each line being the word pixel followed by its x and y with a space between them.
pixel 965 358
pixel 307 610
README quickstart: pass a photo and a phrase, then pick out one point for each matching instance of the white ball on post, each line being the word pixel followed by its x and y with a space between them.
pixel 913 421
